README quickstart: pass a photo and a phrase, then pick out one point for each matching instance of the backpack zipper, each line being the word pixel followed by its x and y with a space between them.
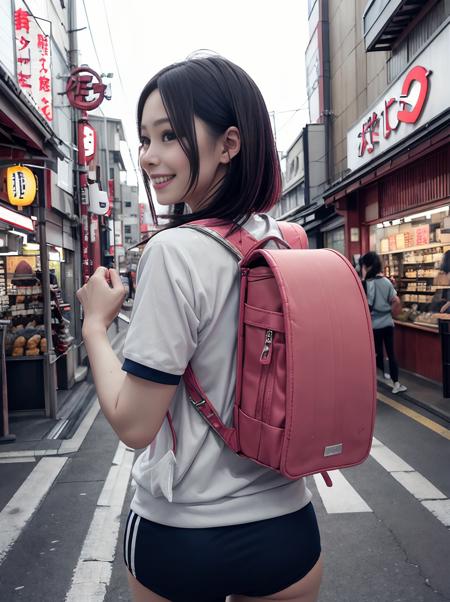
pixel 264 360
pixel 266 354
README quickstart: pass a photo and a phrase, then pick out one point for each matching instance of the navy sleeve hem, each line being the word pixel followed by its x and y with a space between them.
pixel 150 373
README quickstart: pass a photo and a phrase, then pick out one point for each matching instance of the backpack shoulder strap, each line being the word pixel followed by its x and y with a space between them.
pixel 294 235
pixel 238 242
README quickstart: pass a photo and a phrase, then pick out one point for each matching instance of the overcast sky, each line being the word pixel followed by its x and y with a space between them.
pixel 266 38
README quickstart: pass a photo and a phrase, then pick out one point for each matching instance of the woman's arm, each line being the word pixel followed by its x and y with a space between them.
pixel 134 407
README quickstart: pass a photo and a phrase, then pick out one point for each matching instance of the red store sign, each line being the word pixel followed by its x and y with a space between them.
pixel 85 89
pixel 416 97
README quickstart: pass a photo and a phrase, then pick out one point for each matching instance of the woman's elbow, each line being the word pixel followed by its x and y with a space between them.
pixel 135 439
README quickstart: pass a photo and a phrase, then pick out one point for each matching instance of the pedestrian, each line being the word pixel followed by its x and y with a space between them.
pixel 383 303
pixel 130 284
pixel 441 298
pixel 204 523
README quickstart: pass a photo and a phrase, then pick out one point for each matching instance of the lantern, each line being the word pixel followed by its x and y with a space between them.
pixel 21 185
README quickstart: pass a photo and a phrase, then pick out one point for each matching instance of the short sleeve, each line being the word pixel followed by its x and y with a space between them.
pixel 163 332
pixel 370 288
pixel 392 292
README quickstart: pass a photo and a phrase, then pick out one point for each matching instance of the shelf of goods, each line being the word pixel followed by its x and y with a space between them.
pixel 413 271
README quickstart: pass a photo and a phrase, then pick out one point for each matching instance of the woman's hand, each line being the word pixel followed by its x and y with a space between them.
pixel 101 298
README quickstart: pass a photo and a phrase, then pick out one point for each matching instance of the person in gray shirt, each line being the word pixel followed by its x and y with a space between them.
pixel 381 297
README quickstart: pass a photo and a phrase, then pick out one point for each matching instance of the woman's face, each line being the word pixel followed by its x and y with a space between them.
pixel 163 159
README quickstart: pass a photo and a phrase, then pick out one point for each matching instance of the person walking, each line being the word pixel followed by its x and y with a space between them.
pixel 204 522
pixel 383 302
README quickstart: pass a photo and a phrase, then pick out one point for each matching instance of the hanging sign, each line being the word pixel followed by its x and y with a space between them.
pixel 21 185
pixel 87 145
pixel 33 51
pixel 85 89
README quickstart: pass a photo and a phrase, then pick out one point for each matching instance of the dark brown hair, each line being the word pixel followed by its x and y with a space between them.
pixel 222 95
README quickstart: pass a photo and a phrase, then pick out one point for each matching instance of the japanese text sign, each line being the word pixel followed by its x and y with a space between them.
pixel 418 95
pixel 85 89
pixel 33 52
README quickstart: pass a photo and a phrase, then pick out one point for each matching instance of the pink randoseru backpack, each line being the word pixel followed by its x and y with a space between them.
pixel 305 390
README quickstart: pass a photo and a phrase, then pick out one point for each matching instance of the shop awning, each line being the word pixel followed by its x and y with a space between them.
pixel 16 219
pixel 425 140
pixel 22 121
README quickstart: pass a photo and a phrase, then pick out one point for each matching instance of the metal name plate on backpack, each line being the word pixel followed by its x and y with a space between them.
pixel 333 450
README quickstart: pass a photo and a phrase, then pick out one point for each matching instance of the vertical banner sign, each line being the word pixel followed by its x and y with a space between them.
pixel 34 59
pixel 110 196
pixel 142 227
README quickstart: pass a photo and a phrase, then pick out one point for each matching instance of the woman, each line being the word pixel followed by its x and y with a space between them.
pixel 441 302
pixel 204 523
pixel 383 300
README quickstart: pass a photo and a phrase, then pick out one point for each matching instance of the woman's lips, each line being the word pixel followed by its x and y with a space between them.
pixel 160 185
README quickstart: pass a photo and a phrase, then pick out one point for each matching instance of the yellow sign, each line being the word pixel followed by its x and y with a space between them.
pixel 21 185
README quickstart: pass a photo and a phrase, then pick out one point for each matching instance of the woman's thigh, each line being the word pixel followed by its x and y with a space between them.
pixel 305 590
pixel 141 593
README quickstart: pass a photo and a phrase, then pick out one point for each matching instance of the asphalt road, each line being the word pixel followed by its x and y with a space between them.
pixel 384 526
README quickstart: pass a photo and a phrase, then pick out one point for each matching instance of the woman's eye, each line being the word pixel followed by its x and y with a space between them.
pixel 168 136
pixel 144 141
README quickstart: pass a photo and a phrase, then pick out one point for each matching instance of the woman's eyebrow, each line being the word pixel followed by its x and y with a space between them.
pixel 161 121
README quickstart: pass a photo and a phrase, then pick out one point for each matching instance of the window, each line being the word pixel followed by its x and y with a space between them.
pixel 127 203
pixel 127 229
pixel 416 39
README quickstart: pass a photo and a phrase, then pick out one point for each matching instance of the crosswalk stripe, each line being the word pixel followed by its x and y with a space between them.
pixel 421 488
pixel 93 571
pixel 21 507
pixel 342 497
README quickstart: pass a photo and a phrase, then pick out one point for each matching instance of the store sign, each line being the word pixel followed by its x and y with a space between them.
pixel 16 219
pixel 85 89
pixel 87 137
pixel 416 97
pixel 21 185
pixel 33 59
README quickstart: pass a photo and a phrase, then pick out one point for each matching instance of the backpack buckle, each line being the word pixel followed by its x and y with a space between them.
pixel 197 404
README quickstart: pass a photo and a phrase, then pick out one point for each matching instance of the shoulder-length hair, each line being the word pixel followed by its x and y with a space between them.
pixel 222 95
pixel 372 262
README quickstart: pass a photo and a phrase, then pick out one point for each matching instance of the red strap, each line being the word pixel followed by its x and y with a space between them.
pixel 241 240
pixel 294 234
pixel 205 408
pixel 327 478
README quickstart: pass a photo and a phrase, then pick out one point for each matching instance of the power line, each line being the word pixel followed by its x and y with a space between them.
pixel 92 37
pixel 120 80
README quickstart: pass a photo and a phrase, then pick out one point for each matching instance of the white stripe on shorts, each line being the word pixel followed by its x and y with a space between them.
pixel 127 536
pixel 133 545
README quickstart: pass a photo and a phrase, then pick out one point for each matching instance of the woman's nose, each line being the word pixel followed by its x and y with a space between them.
pixel 149 157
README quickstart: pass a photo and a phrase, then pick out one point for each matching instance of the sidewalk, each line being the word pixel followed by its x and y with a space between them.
pixel 35 432
pixel 423 392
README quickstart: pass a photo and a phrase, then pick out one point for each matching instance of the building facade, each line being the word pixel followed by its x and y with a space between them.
pixel 391 152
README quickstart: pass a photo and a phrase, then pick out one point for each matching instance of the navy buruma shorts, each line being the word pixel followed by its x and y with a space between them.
pixel 207 565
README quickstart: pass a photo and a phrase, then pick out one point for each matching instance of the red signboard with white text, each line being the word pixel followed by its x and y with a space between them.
pixel 416 97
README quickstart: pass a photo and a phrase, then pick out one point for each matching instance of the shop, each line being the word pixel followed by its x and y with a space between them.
pixel 395 199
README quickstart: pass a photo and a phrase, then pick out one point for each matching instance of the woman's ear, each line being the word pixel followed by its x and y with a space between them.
pixel 231 144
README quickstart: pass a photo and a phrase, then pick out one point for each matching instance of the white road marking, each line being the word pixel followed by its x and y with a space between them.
pixel 73 445
pixel 421 488
pixel 17 460
pixel 342 497
pixel 21 507
pixel 93 571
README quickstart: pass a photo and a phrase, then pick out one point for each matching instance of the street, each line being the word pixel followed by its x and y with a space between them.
pixel 384 524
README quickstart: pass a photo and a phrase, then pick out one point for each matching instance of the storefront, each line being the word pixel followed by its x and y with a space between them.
pixel 395 199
